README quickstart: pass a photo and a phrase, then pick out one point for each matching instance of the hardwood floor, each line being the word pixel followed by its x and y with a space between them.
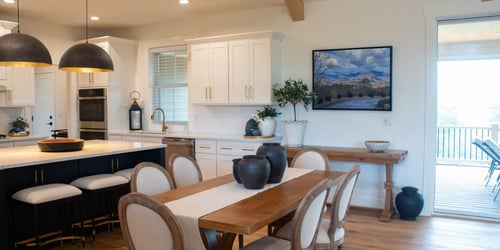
pixel 365 231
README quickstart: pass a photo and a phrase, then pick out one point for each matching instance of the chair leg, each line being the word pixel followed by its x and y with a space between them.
pixel 240 240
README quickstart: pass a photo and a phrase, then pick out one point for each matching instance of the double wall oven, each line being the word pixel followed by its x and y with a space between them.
pixel 93 115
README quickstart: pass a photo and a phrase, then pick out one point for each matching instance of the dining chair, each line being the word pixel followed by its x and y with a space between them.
pixel 304 225
pixel 148 224
pixel 495 160
pixel 150 178
pixel 184 170
pixel 331 227
pixel 311 158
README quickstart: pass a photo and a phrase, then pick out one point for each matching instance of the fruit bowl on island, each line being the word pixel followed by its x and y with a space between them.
pixel 60 145
pixel 377 146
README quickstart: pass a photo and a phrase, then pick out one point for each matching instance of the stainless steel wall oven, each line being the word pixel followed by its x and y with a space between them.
pixel 93 115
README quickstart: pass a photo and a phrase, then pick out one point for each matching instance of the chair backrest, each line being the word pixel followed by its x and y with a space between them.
pixel 150 178
pixel 184 170
pixel 148 224
pixel 312 158
pixel 308 215
pixel 342 200
pixel 494 149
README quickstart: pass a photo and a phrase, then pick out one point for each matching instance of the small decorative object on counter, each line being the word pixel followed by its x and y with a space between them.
pixel 254 171
pixel 276 155
pixel 266 121
pixel 236 175
pixel 135 112
pixel 251 128
pixel 409 203
pixel 19 126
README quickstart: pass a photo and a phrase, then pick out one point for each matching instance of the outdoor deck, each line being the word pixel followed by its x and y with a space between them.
pixel 461 190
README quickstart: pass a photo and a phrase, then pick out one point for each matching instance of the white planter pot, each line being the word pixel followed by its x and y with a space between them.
pixel 294 132
pixel 267 126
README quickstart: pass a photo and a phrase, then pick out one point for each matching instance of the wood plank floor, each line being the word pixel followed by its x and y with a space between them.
pixel 365 231
pixel 461 190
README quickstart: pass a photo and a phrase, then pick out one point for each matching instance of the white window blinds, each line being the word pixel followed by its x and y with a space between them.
pixel 169 82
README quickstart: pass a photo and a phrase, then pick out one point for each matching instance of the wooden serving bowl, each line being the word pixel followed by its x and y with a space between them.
pixel 60 145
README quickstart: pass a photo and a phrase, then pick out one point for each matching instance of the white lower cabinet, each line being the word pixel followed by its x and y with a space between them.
pixel 215 157
pixel 135 138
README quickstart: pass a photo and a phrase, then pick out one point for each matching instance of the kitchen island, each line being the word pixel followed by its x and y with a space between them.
pixel 27 166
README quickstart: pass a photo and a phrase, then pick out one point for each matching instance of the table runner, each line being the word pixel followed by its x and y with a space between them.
pixel 188 209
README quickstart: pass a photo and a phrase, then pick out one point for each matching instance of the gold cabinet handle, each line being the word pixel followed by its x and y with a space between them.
pixel 210 92
pixel 36 177
pixel 117 164
pixel 41 176
pixel 206 95
pixel 224 148
pixel 250 92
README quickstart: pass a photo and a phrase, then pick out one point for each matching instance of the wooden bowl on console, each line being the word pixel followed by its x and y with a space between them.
pixel 60 145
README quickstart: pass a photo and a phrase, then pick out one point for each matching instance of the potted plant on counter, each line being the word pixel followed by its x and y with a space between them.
pixel 19 125
pixel 293 92
pixel 266 121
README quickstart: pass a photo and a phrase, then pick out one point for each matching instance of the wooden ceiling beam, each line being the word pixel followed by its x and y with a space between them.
pixel 296 9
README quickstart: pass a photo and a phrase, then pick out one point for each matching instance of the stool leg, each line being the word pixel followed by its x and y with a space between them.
pixel 36 225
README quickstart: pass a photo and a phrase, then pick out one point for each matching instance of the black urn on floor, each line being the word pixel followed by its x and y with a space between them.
pixel 409 203
pixel 254 171
pixel 236 174
pixel 276 155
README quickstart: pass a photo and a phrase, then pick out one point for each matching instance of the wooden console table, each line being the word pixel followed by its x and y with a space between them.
pixel 388 158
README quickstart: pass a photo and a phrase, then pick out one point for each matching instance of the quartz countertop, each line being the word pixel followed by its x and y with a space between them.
pixel 199 136
pixel 31 155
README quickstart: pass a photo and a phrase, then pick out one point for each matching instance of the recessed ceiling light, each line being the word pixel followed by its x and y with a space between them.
pixel 9 1
pixel 94 18
pixel 184 1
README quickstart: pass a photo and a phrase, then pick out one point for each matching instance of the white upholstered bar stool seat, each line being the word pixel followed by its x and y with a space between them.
pixel 110 187
pixel 56 194
pixel 126 173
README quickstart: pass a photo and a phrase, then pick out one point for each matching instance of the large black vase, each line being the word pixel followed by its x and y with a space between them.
pixel 236 174
pixel 409 203
pixel 254 171
pixel 276 155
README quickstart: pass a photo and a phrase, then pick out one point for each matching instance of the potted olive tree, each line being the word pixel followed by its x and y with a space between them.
pixel 293 92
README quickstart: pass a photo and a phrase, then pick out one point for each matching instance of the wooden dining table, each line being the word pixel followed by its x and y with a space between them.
pixel 249 215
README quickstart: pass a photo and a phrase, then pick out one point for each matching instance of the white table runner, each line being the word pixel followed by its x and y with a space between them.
pixel 188 209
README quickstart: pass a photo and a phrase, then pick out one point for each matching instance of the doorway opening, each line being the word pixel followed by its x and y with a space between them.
pixel 468 109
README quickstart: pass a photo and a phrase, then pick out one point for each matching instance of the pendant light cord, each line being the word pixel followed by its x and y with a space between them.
pixel 18 24
pixel 86 21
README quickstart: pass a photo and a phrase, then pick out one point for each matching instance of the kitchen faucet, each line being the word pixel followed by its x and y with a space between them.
pixel 163 124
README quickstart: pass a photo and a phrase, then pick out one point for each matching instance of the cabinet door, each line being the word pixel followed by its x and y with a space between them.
pixel 225 164
pixel 218 88
pixel 22 87
pixel 207 164
pixel 94 165
pixel 199 76
pixel 239 72
pixel 260 72
pixel 126 160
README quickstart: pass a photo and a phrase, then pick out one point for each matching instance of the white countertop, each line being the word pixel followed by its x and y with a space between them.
pixel 31 155
pixel 198 136
pixel 23 138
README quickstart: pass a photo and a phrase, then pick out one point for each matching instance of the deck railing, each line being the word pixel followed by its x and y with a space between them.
pixel 454 144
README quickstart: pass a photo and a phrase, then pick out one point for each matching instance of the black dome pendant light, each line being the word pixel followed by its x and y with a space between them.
pixel 22 50
pixel 86 57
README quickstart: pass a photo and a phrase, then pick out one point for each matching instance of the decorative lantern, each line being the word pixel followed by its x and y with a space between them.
pixel 135 112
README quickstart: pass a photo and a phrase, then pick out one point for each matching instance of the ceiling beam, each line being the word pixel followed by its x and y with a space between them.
pixel 296 9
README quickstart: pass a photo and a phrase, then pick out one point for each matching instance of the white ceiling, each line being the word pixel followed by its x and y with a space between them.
pixel 116 14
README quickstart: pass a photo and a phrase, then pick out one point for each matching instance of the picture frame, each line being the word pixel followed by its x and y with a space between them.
pixel 353 78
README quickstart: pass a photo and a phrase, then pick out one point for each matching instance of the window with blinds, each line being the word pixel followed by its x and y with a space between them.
pixel 169 89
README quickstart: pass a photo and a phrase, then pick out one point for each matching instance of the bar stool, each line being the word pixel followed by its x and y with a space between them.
pixel 124 173
pixel 108 187
pixel 58 195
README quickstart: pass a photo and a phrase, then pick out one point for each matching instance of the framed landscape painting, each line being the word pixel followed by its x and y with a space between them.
pixel 353 79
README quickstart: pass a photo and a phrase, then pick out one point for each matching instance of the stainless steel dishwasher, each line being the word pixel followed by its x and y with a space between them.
pixel 178 145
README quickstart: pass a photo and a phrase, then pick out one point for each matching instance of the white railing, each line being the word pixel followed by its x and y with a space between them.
pixel 454 144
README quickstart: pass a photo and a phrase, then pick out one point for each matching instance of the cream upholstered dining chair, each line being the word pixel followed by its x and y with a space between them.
pixel 184 170
pixel 331 228
pixel 150 178
pixel 312 158
pixel 304 225
pixel 148 224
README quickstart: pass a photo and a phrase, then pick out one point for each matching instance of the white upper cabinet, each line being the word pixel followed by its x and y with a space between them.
pixel 98 79
pixel 18 86
pixel 208 77
pixel 234 70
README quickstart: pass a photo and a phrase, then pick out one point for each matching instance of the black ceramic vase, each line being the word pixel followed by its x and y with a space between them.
pixel 276 155
pixel 236 175
pixel 254 171
pixel 409 203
